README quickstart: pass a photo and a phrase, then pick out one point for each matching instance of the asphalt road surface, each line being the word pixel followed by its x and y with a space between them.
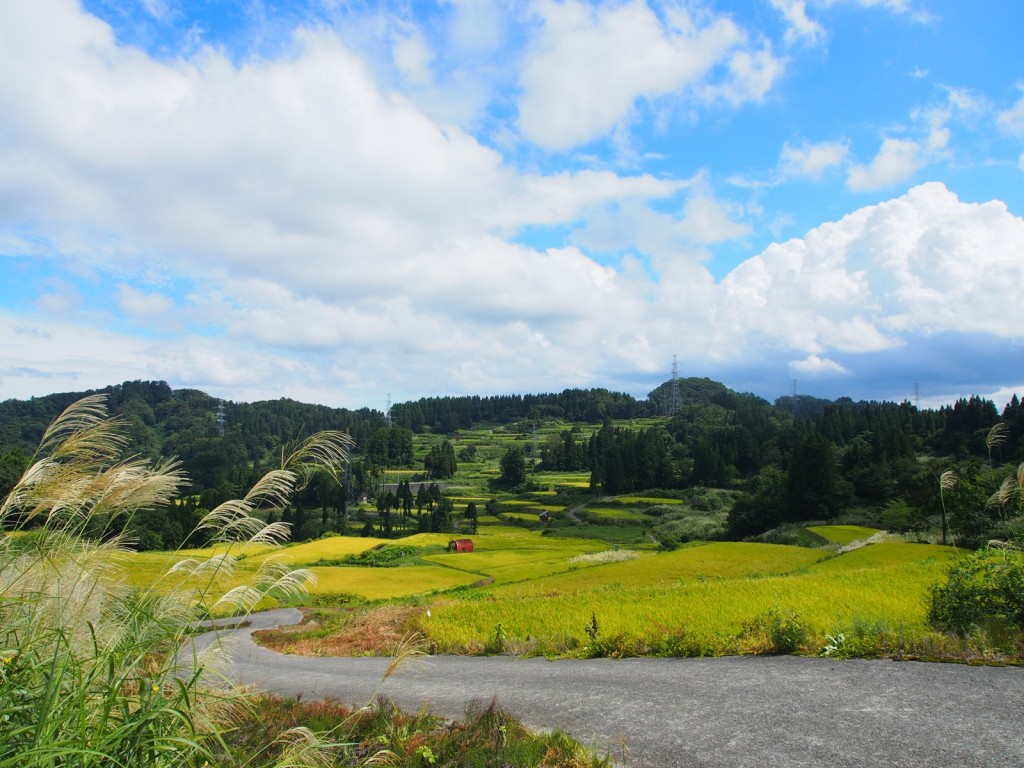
pixel 730 712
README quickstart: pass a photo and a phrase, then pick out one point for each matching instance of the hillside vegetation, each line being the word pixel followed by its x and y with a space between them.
pixel 604 525
pixel 723 465
pixel 97 663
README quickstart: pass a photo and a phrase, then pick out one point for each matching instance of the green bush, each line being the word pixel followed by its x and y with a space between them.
pixel 380 556
pixel 779 631
pixel 983 589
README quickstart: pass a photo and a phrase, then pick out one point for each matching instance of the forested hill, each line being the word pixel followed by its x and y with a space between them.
pixel 714 435
pixel 184 423
pixel 447 414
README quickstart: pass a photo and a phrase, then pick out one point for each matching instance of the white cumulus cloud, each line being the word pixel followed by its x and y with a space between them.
pixel 588 65
pixel 922 264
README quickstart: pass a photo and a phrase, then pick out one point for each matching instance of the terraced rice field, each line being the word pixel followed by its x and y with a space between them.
pixel 647 500
pixel 385 583
pixel 842 534
pixel 544 595
pixel 617 513
pixel 705 594
pixel 529 517
pixel 568 480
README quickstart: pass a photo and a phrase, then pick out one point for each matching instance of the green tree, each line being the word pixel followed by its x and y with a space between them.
pixel 12 465
pixel 763 507
pixel 440 462
pixel 813 480
pixel 441 516
pixel 513 467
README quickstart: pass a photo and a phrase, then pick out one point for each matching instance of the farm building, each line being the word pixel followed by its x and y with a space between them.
pixel 460 545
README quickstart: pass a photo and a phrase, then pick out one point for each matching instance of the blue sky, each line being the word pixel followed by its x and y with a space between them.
pixel 334 201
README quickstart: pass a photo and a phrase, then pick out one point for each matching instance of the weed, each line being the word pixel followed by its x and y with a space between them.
pixel 776 631
pixel 498 642
pixel 835 645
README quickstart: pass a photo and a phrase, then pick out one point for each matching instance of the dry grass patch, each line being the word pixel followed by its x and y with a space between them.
pixel 361 632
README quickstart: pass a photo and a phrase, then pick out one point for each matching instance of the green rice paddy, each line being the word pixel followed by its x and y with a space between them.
pixel 544 594
pixel 842 534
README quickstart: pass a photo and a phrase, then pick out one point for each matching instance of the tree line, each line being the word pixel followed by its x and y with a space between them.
pixel 795 459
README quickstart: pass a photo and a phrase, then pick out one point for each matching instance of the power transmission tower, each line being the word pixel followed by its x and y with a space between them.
pixel 674 399
pixel 917 396
pixel 387 413
pixel 220 418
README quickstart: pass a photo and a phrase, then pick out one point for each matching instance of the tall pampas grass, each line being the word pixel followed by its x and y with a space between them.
pixel 91 671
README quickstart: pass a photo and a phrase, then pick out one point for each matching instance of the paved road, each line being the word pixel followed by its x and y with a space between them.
pixel 730 712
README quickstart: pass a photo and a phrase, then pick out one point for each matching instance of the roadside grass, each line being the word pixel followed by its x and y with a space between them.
pixel 842 534
pixel 379 734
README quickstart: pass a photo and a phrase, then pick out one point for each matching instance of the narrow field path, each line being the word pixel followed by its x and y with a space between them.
pixel 731 712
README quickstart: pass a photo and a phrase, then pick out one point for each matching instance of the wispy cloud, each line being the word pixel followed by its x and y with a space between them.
pixel 812 160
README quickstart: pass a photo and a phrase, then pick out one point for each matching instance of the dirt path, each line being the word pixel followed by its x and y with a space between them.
pixel 731 712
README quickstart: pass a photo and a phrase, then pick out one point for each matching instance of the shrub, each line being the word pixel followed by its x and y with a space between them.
pixel 775 631
pixel 380 556
pixel 983 589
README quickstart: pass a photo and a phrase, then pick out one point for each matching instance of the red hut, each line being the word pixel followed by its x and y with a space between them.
pixel 460 545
